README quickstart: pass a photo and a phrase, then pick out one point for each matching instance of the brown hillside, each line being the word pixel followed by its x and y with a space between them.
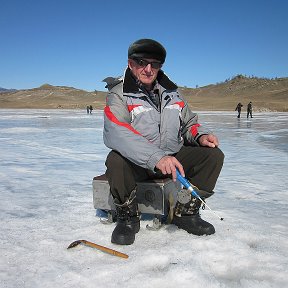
pixel 51 97
pixel 265 94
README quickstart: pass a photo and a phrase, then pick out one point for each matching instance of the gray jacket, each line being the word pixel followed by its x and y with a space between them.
pixel 140 131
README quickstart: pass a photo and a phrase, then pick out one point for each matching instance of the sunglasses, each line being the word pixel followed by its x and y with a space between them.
pixel 143 63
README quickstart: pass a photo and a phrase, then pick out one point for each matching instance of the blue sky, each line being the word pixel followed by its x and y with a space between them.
pixel 79 43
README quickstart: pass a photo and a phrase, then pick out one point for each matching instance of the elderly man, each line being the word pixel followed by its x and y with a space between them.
pixel 152 132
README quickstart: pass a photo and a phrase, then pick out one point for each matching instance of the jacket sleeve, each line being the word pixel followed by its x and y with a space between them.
pixel 120 135
pixel 191 129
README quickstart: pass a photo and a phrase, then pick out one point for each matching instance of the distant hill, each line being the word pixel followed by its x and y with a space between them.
pixel 3 90
pixel 265 94
pixel 51 97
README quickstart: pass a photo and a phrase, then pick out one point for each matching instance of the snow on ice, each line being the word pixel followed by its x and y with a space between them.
pixel 48 161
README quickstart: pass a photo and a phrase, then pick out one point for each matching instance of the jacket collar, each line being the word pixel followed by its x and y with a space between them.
pixel 130 83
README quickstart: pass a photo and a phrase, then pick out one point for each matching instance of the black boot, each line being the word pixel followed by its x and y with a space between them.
pixel 128 223
pixel 187 217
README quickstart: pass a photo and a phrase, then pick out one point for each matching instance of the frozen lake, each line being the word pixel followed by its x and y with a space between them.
pixel 48 161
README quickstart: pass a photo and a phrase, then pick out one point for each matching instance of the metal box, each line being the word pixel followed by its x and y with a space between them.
pixel 153 196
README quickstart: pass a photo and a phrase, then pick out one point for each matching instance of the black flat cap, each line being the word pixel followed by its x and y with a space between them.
pixel 147 48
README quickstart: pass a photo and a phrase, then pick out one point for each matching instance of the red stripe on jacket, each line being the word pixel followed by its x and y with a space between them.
pixel 114 119
pixel 194 129
pixel 131 107
pixel 181 104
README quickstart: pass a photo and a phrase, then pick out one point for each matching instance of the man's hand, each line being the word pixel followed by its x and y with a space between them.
pixel 168 165
pixel 209 140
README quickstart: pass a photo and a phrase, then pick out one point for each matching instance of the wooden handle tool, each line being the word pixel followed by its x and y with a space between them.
pixel 97 246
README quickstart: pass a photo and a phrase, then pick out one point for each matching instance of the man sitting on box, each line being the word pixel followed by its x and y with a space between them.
pixel 152 131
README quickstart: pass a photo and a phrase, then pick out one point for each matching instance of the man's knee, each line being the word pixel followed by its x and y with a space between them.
pixel 219 155
pixel 114 161
pixel 216 156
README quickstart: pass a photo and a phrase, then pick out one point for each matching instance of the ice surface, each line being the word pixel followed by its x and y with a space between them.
pixel 48 161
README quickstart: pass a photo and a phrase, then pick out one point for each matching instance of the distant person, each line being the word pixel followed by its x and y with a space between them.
pixel 90 109
pixel 151 132
pixel 238 108
pixel 249 109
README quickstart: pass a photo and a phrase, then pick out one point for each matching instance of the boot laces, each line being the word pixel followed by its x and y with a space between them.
pixel 129 208
pixel 190 208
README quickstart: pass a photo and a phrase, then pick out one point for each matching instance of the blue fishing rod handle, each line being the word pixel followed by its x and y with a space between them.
pixel 186 184
pixel 183 180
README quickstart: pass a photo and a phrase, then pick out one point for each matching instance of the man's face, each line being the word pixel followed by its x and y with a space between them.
pixel 145 70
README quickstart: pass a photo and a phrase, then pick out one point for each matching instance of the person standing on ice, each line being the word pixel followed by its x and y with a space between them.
pixel 152 132
pixel 249 109
pixel 238 109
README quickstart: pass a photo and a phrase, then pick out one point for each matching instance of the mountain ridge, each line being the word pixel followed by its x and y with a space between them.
pixel 265 94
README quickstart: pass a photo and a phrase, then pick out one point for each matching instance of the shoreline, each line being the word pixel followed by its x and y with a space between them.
pixel 263 110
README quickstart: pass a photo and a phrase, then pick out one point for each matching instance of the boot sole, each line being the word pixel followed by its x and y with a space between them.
pixel 122 241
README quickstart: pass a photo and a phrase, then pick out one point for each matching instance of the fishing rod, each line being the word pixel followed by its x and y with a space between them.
pixel 190 188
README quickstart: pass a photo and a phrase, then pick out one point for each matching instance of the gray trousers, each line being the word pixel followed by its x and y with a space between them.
pixel 202 166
